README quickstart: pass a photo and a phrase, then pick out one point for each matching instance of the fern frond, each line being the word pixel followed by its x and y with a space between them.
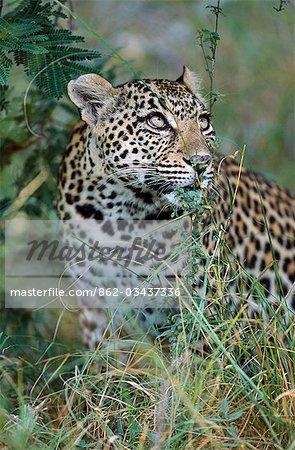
pixel 62 37
pixel 30 36
pixel 22 29
pixel 5 68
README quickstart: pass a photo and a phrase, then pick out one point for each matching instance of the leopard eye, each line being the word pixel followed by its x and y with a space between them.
pixel 204 121
pixel 157 120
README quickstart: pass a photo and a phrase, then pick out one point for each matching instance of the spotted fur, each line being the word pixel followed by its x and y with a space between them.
pixel 140 141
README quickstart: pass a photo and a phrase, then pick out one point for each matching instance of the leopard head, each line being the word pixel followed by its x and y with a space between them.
pixel 151 133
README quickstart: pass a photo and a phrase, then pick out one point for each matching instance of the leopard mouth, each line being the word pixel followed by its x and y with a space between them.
pixel 163 187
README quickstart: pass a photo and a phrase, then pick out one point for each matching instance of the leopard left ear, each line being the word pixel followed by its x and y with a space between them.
pixel 92 94
pixel 190 80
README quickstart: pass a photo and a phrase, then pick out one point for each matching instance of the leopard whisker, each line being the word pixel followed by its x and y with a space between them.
pixel 132 170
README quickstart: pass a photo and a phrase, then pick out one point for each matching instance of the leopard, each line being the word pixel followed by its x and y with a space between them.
pixel 136 147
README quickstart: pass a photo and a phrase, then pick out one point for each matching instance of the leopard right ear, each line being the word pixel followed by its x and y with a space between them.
pixel 91 94
pixel 190 80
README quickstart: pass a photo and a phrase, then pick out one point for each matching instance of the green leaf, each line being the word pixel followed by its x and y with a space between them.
pixel 5 68
pixel 224 406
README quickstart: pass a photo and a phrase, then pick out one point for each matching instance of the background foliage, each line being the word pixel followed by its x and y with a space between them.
pixel 38 57
pixel 49 398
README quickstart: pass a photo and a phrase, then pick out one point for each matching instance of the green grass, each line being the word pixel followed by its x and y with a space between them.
pixel 238 392
pixel 181 402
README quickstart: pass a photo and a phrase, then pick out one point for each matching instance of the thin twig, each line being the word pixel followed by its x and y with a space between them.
pixel 212 37
pixel 70 18
pixel 203 51
pixel 26 193
pixel 213 48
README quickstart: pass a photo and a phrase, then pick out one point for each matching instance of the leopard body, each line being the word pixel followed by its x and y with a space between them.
pixel 137 144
